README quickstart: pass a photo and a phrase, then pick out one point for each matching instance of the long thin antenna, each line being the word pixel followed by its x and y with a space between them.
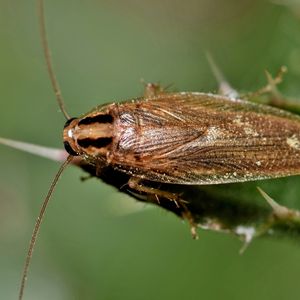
pixel 38 225
pixel 47 54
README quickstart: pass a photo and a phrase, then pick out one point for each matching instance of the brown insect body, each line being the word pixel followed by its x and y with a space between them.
pixel 155 144
pixel 188 138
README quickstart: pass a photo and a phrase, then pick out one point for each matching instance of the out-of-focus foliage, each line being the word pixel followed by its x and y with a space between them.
pixel 97 243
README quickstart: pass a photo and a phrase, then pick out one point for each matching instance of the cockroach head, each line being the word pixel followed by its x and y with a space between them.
pixel 69 142
pixel 91 135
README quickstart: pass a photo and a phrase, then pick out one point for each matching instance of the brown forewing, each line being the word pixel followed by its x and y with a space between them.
pixel 195 138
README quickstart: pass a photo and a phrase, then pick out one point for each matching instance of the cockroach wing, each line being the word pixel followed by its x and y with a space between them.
pixel 195 138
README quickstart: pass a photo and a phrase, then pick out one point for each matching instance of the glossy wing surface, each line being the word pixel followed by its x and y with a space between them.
pixel 194 138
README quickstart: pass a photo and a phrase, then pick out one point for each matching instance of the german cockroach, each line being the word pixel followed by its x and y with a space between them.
pixel 143 146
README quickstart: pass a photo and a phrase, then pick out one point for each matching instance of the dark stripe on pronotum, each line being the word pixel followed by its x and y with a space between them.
pixel 98 143
pixel 96 119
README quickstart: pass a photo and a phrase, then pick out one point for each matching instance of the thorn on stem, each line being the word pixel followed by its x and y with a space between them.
pixel 280 211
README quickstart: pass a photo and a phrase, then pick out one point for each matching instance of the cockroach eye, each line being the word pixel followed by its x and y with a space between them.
pixel 69 149
pixel 68 122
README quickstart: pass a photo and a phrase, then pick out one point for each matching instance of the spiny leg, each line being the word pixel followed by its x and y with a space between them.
pixel 153 89
pixel 135 184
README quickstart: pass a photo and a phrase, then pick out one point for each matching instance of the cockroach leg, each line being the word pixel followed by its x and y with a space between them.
pixel 85 177
pixel 157 199
pixel 152 89
pixel 193 225
pixel 135 184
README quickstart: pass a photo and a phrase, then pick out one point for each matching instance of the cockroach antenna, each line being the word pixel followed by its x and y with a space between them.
pixel 56 88
pixel 38 225
pixel 47 54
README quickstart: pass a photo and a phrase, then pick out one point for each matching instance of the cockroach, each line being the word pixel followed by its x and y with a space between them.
pixel 166 138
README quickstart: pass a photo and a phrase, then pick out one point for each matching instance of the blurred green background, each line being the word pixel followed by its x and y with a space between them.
pixel 96 243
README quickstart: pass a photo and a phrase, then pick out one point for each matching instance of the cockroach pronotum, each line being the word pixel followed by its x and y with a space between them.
pixel 166 138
